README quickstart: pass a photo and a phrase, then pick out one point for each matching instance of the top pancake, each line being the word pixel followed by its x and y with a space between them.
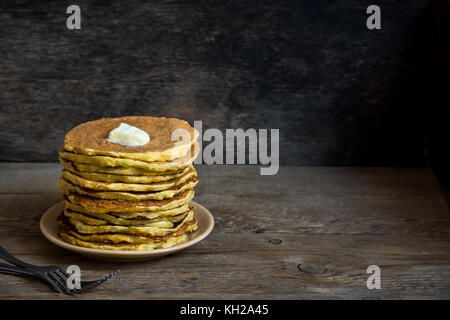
pixel 89 138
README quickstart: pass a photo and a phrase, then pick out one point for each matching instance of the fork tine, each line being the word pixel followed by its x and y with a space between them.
pixel 62 275
pixel 93 284
pixel 109 276
pixel 60 283
pixel 53 284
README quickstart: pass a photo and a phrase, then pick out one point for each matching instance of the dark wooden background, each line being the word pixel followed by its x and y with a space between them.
pixel 341 94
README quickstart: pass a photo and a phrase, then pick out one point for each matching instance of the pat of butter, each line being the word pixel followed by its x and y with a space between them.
pixel 127 135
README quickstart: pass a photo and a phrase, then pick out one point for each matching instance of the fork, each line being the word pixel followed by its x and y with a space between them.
pixel 60 286
pixel 53 275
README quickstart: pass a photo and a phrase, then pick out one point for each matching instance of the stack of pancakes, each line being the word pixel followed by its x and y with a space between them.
pixel 119 197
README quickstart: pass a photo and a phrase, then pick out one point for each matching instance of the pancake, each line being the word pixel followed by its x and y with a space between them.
pixel 126 171
pixel 119 186
pixel 129 208
pixel 108 177
pixel 89 138
pixel 189 226
pixel 75 212
pixel 124 246
pixel 135 230
pixel 106 161
pixel 67 187
pixel 98 221
pixel 142 216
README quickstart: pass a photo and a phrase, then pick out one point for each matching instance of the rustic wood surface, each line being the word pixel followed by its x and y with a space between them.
pixel 307 233
pixel 341 94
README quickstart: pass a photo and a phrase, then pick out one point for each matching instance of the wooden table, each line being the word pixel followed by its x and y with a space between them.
pixel 307 233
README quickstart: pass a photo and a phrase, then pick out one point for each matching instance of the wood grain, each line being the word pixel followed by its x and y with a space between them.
pixel 340 94
pixel 307 233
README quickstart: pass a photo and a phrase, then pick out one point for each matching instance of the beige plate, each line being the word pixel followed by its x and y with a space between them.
pixel 49 228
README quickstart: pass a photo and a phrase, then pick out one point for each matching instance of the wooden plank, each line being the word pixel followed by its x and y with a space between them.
pixel 329 200
pixel 249 64
pixel 313 238
pixel 29 177
pixel 252 266
pixel 290 181
pixel 304 215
